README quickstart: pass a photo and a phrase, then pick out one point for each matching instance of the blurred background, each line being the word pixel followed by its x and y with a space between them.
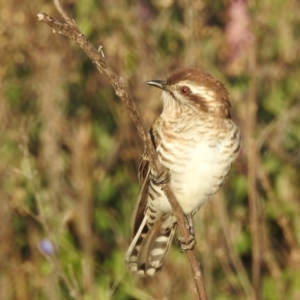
pixel 69 152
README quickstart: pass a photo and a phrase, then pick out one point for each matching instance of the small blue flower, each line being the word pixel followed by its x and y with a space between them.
pixel 47 246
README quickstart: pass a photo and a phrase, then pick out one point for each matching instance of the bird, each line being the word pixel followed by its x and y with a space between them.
pixel 196 142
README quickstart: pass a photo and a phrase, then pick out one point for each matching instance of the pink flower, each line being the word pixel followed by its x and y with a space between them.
pixel 237 33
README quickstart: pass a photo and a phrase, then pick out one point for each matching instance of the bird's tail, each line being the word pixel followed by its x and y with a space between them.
pixel 148 250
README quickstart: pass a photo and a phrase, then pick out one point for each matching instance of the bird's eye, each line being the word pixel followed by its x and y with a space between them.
pixel 184 90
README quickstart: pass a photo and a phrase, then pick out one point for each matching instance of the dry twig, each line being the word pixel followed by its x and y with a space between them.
pixel 70 29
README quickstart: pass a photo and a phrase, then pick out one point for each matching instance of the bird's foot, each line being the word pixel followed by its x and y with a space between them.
pixel 187 244
pixel 162 178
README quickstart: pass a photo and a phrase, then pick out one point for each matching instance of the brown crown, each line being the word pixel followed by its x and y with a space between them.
pixel 204 79
pixel 200 78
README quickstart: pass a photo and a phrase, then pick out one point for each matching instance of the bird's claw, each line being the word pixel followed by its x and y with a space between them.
pixel 187 244
pixel 162 178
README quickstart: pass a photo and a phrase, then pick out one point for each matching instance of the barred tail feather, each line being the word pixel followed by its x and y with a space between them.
pixel 148 250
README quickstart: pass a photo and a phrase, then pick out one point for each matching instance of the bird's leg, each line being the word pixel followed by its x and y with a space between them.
pixel 190 242
pixel 162 178
pixel 190 223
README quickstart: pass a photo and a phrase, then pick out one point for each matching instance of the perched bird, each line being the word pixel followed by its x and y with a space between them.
pixel 196 141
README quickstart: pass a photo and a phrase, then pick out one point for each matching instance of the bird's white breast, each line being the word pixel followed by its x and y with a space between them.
pixel 198 160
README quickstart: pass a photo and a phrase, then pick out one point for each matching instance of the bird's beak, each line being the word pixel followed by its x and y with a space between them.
pixel 157 83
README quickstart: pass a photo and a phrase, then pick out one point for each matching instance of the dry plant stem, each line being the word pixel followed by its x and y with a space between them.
pixel 232 253
pixel 71 30
pixel 252 163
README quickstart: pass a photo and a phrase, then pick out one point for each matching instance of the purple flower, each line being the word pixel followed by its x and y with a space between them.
pixel 47 246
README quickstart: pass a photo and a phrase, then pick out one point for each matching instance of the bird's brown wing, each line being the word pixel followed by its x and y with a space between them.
pixel 138 213
pixel 144 176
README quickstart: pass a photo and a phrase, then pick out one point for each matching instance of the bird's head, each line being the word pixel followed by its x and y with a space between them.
pixel 195 88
